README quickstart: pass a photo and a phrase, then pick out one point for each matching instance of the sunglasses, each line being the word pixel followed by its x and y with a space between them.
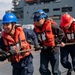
pixel 37 20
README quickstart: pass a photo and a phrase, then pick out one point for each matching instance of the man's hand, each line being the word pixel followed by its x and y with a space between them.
pixel 12 53
pixel 44 48
pixel 62 44
pixel 37 47
pixel 3 55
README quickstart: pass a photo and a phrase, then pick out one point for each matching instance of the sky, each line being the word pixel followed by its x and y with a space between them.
pixel 4 6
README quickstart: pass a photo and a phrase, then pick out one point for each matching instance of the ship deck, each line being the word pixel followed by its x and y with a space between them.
pixel 6 69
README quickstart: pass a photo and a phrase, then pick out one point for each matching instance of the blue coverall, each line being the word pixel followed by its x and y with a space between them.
pixel 31 36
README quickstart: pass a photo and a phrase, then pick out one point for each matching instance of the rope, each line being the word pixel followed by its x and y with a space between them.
pixel 66 44
pixel 41 48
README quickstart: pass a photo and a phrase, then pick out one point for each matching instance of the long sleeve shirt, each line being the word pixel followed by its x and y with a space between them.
pixel 31 36
pixel 58 32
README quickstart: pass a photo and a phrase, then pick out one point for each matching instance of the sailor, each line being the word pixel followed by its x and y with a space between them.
pixel 14 41
pixel 67 23
pixel 31 38
pixel 49 35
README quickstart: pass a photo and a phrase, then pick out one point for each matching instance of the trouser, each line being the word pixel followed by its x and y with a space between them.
pixel 24 67
pixel 65 51
pixel 52 57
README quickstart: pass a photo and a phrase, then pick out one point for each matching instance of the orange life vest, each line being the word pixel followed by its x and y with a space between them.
pixel 18 43
pixel 45 34
pixel 69 33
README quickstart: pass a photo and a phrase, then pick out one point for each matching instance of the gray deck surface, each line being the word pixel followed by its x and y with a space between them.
pixel 6 69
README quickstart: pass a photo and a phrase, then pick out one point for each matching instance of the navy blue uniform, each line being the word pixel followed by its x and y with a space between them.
pixel 31 36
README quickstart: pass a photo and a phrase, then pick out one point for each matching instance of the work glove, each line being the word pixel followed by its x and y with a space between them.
pixel 30 41
pixel 55 49
pixel 37 47
pixel 3 55
pixel 62 44
pixel 11 53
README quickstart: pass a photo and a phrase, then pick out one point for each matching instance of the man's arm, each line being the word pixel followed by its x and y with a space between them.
pixel 58 32
pixel 3 54
pixel 30 34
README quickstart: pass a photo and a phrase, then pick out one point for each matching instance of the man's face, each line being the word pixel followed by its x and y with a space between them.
pixel 7 27
pixel 67 26
pixel 39 22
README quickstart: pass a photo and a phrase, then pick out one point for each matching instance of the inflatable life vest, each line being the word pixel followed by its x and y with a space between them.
pixel 18 43
pixel 45 34
pixel 69 33
pixel 52 21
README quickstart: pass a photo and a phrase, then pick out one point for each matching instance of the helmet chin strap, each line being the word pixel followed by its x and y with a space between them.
pixel 12 30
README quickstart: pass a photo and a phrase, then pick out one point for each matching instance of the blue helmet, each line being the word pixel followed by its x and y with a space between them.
pixel 39 14
pixel 9 17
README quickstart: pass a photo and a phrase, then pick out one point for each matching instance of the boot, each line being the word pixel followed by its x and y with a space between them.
pixel 69 72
